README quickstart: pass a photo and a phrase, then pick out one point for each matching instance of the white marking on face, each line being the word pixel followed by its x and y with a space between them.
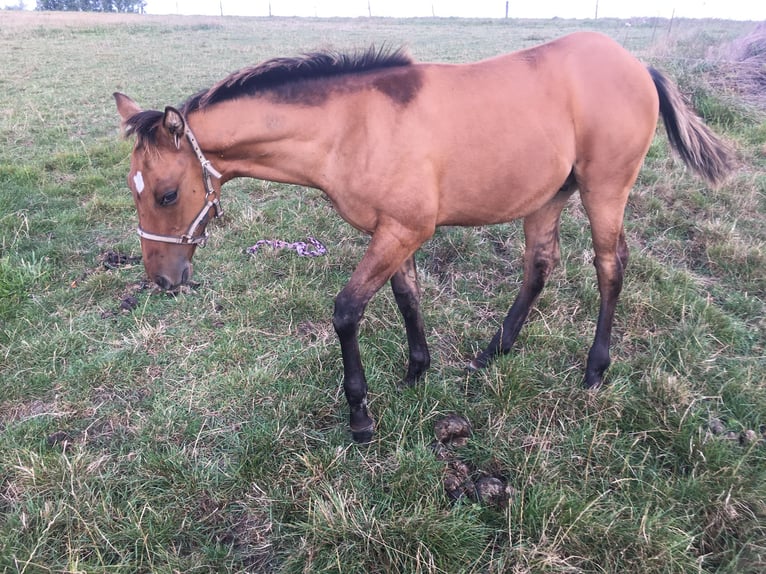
pixel 138 181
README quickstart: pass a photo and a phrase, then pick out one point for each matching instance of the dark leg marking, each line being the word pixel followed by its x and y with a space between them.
pixel 610 269
pixel 541 255
pixel 404 284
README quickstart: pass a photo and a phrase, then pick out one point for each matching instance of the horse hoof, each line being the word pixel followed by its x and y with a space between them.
pixel 472 367
pixel 592 383
pixel 405 384
pixel 363 436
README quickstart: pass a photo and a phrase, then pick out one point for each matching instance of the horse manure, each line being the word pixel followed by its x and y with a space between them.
pixel 115 259
pixel 441 452
pixel 128 300
pixel 492 491
pixel 457 480
pixel 716 426
pixel 129 303
pixel 453 430
pixel 747 437
pixel 60 438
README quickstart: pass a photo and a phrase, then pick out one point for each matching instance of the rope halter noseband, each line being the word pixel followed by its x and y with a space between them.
pixel 211 201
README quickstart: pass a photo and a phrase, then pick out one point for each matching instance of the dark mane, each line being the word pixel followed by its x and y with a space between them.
pixel 144 125
pixel 286 77
pixel 284 72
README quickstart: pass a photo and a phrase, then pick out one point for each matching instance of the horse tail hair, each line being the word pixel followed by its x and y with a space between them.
pixel 699 148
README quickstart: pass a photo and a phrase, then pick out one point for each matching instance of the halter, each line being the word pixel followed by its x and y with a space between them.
pixel 211 202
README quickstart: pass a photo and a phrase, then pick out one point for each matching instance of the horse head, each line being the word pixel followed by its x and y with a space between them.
pixel 174 187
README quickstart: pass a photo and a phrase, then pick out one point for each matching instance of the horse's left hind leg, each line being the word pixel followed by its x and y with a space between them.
pixel 404 284
pixel 610 261
pixel 541 255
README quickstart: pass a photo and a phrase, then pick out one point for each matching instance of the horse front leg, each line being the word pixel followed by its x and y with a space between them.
pixel 406 290
pixel 390 246
pixel 349 308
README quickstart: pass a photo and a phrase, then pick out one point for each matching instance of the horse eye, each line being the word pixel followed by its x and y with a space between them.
pixel 169 198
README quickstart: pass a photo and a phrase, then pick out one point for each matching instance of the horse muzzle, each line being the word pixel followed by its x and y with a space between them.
pixel 168 267
pixel 166 283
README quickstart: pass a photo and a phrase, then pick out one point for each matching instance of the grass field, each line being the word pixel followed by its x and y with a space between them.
pixel 206 432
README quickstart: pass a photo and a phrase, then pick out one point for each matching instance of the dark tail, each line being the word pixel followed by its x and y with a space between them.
pixel 698 146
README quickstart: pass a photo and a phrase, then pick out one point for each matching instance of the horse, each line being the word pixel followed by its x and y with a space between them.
pixel 401 148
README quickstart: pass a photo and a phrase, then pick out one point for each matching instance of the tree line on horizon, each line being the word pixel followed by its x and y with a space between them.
pixel 131 6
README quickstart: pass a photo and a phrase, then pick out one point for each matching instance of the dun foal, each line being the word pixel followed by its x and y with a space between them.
pixel 401 148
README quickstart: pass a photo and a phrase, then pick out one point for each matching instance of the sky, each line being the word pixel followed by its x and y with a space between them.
pixel 728 9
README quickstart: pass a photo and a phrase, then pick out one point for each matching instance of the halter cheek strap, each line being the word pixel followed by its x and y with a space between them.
pixel 211 202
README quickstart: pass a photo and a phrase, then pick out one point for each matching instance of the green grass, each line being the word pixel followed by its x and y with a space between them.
pixel 207 432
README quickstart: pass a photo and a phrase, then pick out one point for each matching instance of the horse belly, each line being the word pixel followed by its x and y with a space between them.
pixel 501 183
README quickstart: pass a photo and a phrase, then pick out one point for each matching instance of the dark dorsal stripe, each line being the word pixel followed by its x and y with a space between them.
pixel 280 72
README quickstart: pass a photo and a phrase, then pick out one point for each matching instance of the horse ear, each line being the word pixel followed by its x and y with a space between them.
pixel 174 123
pixel 126 107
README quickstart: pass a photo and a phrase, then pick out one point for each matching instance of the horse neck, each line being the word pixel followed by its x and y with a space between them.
pixel 253 137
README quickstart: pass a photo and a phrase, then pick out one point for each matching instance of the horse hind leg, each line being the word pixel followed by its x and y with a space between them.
pixel 541 255
pixel 406 289
pixel 610 262
pixel 611 259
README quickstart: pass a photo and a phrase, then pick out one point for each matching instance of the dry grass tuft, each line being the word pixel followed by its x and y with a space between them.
pixel 743 66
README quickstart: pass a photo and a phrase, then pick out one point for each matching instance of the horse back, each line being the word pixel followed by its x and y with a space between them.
pixel 507 132
pixel 573 85
pixel 490 141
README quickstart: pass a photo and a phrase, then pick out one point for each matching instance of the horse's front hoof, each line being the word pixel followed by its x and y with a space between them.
pixel 592 383
pixel 364 435
pixel 408 382
pixel 416 370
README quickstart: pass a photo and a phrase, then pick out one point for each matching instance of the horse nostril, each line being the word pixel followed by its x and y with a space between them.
pixel 185 276
pixel 163 282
